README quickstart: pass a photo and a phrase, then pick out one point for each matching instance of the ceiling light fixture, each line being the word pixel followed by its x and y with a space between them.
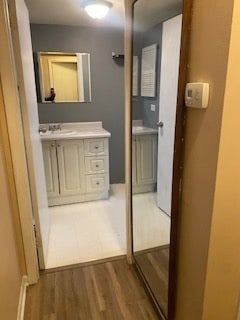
pixel 97 9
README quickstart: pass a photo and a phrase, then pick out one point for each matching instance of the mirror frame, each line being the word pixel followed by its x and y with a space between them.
pixel 178 150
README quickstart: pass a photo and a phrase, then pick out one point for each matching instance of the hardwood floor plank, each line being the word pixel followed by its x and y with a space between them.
pixel 120 298
pixel 105 291
pixel 146 310
pixel 48 285
pixel 114 308
pixel 80 289
pixel 160 271
pixel 154 265
pixel 92 296
pixel 98 289
pixel 127 292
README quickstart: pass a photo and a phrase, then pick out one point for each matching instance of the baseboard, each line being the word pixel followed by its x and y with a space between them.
pixel 22 298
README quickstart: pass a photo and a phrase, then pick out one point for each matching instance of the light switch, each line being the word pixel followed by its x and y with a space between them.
pixel 153 107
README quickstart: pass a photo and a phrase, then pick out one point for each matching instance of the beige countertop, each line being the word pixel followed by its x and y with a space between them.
pixel 139 129
pixel 74 130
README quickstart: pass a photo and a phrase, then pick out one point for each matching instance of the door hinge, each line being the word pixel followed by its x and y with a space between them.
pixel 37 238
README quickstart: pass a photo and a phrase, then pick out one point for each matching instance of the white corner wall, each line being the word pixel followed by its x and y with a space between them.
pixel 25 70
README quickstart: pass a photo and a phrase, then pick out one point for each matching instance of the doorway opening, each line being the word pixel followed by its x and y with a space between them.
pixel 70 232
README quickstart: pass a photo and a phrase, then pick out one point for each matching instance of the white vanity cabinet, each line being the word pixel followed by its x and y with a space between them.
pixel 51 168
pixel 144 163
pixel 96 160
pixel 70 167
pixel 76 170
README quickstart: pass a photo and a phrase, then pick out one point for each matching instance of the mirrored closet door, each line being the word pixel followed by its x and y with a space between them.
pixel 157 107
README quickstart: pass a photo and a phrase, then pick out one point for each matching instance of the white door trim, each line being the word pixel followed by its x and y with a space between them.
pixel 128 124
pixel 22 298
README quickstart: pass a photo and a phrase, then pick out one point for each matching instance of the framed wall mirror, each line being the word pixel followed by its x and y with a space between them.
pixel 159 71
pixel 64 77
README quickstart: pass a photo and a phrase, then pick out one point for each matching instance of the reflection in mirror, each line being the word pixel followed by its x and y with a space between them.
pixel 64 77
pixel 156 48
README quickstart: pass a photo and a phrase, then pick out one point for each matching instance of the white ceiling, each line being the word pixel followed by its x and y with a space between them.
pixel 148 13
pixel 69 12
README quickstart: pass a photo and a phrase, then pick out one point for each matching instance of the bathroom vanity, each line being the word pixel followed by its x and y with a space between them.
pixel 144 155
pixel 76 162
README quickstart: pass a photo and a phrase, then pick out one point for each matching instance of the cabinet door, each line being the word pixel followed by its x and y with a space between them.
pixel 71 167
pixel 134 166
pixel 51 168
pixel 146 159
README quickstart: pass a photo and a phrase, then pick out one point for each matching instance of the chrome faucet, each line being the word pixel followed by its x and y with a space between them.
pixel 54 127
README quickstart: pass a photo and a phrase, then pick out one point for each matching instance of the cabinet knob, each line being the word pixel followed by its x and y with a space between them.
pixel 96 147
pixel 97 166
pixel 53 145
pixel 97 183
pixel 59 145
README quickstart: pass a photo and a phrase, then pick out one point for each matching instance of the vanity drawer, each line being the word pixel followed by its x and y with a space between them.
pixel 95 183
pixel 95 165
pixel 93 147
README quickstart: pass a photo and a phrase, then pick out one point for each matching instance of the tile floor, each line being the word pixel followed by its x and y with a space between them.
pixel 97 229
pixel 151 227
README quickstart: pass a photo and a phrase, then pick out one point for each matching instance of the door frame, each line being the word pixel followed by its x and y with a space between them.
pixel 178 153
pixel 21 39
pixel 14 126
pixel 178 146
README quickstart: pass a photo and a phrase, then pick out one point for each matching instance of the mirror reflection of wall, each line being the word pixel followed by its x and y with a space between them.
pixel 64 77
pixel 153 127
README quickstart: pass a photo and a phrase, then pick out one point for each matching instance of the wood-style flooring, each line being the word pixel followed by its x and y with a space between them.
pixel 109 290
pixel 154 264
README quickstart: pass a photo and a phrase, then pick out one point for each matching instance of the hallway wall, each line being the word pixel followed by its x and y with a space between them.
pixel 223 272
pixel 208 62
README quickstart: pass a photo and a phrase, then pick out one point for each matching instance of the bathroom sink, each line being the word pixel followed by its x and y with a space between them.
pixel 45 133
pixel 64 132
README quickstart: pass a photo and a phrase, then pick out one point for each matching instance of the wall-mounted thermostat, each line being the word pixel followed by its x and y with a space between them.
pixel 197 95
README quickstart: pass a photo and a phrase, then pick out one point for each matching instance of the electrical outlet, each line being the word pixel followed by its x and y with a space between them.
pixel 153 107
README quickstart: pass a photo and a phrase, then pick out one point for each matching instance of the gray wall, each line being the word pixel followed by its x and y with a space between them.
pixel 107 78
pixel 142 105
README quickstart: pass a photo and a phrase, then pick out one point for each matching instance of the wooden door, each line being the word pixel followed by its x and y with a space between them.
pixel 64 80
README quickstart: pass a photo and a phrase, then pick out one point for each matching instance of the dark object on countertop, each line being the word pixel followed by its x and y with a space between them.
pixel 52 95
